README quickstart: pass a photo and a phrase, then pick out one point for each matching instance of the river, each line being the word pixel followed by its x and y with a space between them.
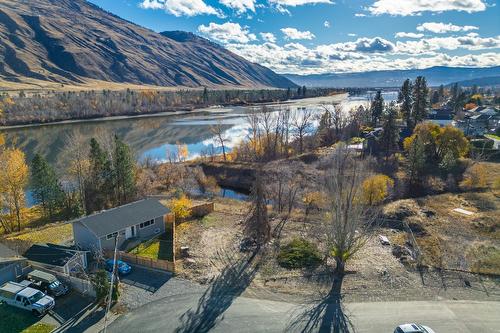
pixel 157 136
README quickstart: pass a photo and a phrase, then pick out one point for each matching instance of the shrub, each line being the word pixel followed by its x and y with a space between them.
pixel 299 253
pixel 475 177
pixel 181 207
pixel 375 189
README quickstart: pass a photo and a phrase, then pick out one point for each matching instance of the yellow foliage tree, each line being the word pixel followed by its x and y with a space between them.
pixel 13 180
pixel 439 141
pixel 313 200
pixel 182 151
pixel 181 207
pixel 475 177
pixel 375 189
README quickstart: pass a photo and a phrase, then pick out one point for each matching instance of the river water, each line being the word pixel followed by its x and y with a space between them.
pixel 157 136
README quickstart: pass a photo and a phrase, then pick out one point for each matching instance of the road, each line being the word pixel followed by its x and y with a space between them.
pixel 197 312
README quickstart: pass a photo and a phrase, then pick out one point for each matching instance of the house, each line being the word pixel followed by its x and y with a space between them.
pixel 441 117
pixel 58 258
pixel 11 265
pixel 140 220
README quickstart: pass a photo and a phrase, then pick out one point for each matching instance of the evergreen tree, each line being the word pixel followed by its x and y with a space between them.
pixel 390 135
pixel 124 171
pixel 304 91
pixel 406 100
pixel 205 95
pixel 441 92
pixel 420 100
pixel 377 107
pixel 47 190
pixel 100 183
pixel 435 97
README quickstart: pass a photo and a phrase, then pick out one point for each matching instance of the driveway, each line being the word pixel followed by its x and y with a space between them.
pixel 145 285
pixel 185 313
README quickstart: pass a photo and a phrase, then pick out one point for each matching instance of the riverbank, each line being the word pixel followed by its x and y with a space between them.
pixel 178 111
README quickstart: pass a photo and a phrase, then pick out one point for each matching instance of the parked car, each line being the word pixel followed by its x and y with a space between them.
pixel 122 267
pixel 47 283
pixel 413 328
pixel 26 298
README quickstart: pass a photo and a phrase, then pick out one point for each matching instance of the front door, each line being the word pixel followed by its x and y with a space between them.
pixel 132 229
pixel 128 232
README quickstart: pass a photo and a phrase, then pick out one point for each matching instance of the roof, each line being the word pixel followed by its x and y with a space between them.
pixel 46 254
pixel 42 275
pixel 116 219
pixel 12 287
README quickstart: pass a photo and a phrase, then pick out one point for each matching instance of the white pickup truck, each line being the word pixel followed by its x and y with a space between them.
pixel 18 295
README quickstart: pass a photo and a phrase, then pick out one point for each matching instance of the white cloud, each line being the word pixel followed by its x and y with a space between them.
pixel 281 5
pixel 408 35
pixel 297 58
pixel 441 28
pixel 182 7
pixel 227 32
pixel 327 24
pixel 294 34
pixel 295 3
pixel 432 45
pixel 268 37
pixel 240 6
pixel 416 7
pixel 360 15
pixel 351 35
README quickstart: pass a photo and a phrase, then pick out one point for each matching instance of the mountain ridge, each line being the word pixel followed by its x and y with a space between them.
pixel 435 76
pixel 73 41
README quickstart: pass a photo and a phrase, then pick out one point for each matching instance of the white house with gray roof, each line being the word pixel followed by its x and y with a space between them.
pixel 140 220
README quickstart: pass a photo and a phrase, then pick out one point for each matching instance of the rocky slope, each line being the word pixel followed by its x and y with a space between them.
pixel 73 41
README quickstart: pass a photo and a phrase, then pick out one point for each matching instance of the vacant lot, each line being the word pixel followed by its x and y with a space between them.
pixel 374 274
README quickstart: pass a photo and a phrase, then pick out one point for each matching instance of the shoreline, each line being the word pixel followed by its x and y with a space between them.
pixel 162 113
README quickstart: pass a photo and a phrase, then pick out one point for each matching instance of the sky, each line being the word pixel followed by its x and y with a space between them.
pixel 327 36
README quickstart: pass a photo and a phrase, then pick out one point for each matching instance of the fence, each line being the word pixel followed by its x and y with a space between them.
pixel 163 265
pixel 200 210
pixel 83 286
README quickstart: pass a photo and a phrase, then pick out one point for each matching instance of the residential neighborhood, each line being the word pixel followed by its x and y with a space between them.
pixel 195 166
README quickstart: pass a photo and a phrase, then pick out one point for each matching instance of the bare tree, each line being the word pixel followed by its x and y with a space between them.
pixel 257 224
pixel 76 150
pixel 347 221
pixel 302 123
pixel 219 133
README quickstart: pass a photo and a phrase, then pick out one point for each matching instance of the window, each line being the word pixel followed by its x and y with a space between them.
pixel 146 224
pixel 113 235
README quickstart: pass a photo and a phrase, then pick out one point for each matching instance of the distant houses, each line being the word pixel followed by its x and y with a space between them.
pixel 480 121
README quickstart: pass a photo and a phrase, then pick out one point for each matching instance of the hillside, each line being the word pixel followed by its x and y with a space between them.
pixel 491 81
pixel 74 42
pixel 435 77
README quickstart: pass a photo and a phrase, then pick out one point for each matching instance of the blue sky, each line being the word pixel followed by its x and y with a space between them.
pixel 321 36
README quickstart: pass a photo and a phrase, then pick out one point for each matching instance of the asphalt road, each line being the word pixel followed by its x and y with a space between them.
pixel 221 313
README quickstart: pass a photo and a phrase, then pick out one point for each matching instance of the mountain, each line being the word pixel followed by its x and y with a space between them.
pixel 76 42
pixel 490 81
pixel 394 78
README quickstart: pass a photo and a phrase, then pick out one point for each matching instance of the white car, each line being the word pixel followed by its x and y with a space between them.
pixel 413 328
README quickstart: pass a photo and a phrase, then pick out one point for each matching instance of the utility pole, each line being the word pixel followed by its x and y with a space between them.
pixel 110 296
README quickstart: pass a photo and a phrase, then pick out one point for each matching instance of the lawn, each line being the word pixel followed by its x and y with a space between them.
pixel 56 234
pixel 13 320
pixel 492 136
pixel 159 248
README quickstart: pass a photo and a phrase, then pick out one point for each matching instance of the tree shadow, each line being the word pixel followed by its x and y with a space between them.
pixel 234 278
pixel 326 315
